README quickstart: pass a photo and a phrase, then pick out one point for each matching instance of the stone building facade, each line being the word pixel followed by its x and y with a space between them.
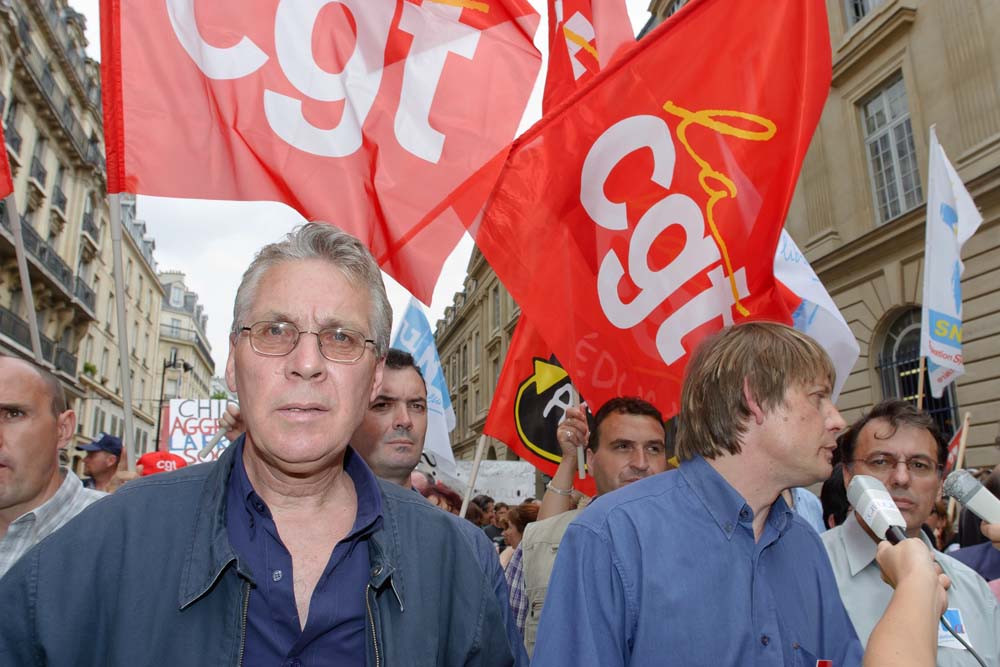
pixel 472 340
pixel 51 105
pixel 183 341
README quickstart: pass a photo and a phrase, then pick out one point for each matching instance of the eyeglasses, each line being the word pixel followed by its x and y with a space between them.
pixel 917 466
pixel 276 339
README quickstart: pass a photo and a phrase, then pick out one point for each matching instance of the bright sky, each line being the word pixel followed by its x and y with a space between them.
pixel 212 242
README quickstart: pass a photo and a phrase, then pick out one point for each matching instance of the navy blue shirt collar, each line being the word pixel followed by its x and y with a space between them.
pixel 369 515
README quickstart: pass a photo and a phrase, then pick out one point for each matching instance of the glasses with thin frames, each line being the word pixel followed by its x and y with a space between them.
pixel 917 466
pixel 276 339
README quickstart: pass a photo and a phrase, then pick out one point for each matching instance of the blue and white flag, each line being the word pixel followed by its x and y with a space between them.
pixel 952 218
pixel 817 315
pixel 414 335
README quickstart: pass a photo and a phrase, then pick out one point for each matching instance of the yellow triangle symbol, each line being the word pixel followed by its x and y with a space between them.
pixel 546 375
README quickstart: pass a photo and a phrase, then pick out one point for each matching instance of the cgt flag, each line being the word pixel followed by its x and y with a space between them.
pixel 583 35
pixel 368 114
pixel 645 212
pixel 414 335
pixel 952 218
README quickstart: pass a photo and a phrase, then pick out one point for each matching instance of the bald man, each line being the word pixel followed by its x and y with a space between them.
pixel 37 496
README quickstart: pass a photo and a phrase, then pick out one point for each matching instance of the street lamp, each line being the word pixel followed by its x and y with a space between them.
pixel 184 367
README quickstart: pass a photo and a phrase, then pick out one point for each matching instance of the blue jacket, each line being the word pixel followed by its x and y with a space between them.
pixel 147 576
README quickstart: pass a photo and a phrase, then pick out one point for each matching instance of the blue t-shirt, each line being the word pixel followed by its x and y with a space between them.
pixel 334 633
pixel 666 571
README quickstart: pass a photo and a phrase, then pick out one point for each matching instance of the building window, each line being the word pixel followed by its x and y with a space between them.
pixel 496 373
pixel 175 327
pixel 674 6
pixel 496 307
pixel 899 369
pixel 475 350
pixel 892 159
pixel 176 295
pixel 465 361
pixel 104 364
pixel 858 9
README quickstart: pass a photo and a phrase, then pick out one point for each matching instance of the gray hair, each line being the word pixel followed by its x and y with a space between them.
pixel 320 240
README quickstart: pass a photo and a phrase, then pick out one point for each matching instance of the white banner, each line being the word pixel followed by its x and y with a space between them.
pixel 189 424
pixel 817 315
pixel 952 218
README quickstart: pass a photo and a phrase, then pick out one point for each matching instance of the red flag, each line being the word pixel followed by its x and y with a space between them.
pixel 953 446
pixel 6 179
pixel 532 395
pixel 364 114
pixel 583 36
pixel 644 214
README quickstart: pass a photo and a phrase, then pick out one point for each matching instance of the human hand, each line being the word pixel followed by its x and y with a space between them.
pixel 232 422
pixel 911 563
pixel 573 431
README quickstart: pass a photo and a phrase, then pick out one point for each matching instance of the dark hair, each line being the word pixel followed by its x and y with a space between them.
pixel 51 382
pixel 897 413
pixel 833 496
pixel 623 405
pixel 398 360
pixel 500 506
pixel 482 501
pixel 522 515
pixel 474 514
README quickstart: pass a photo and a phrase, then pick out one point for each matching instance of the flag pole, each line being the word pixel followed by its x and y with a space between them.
pixel 130 445
pixel 22 269
pixel 581 460
pixel 959 460
pixel 480 448
pixel 920 383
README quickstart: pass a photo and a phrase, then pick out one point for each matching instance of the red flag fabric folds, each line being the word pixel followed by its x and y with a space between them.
pixel 364 114
pixel 644 214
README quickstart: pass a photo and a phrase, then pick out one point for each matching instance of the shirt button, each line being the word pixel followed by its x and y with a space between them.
pixel 728 527
pixel 259 506
pixel 744 514
pixel 377 570
pixel 765 640
pixel 276 575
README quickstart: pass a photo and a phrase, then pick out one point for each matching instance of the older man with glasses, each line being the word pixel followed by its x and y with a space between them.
pixel 904 449
pixel 287 550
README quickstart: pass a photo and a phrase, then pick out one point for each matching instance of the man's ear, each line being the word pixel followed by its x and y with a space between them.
pixel 377 379
pixel 65 425
pixel 755 408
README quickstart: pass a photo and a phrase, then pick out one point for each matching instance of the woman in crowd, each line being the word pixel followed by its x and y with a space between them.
pixel 517 518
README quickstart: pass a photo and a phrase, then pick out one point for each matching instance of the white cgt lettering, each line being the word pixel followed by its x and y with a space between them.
pixel 230 63
pixel 436 32
pixel 696 256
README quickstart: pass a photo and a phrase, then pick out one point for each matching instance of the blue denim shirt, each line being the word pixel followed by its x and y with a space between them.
pixel 334 633
pixel 666 571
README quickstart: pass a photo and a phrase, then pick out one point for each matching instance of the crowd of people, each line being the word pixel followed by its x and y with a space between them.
pixel 314 539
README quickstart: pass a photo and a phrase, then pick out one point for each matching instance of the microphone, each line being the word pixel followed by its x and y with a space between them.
pixel 874 505
pixel 966 489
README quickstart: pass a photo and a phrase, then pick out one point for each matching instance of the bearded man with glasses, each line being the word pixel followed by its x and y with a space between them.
pixel 904 449
pixel 287 550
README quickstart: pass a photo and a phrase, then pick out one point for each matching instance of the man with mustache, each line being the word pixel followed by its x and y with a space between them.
pixel 287 550
pixel 904 449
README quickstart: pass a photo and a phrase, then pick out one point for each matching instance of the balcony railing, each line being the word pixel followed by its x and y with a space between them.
pixel 86 295
pixel 59 199
pixel 189 335
pixel 17 330
pixel 38 172
pixel 57 99
pixel 42 251
pixel 57 23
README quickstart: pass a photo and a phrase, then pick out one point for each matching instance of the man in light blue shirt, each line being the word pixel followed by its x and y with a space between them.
pixel 707 565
